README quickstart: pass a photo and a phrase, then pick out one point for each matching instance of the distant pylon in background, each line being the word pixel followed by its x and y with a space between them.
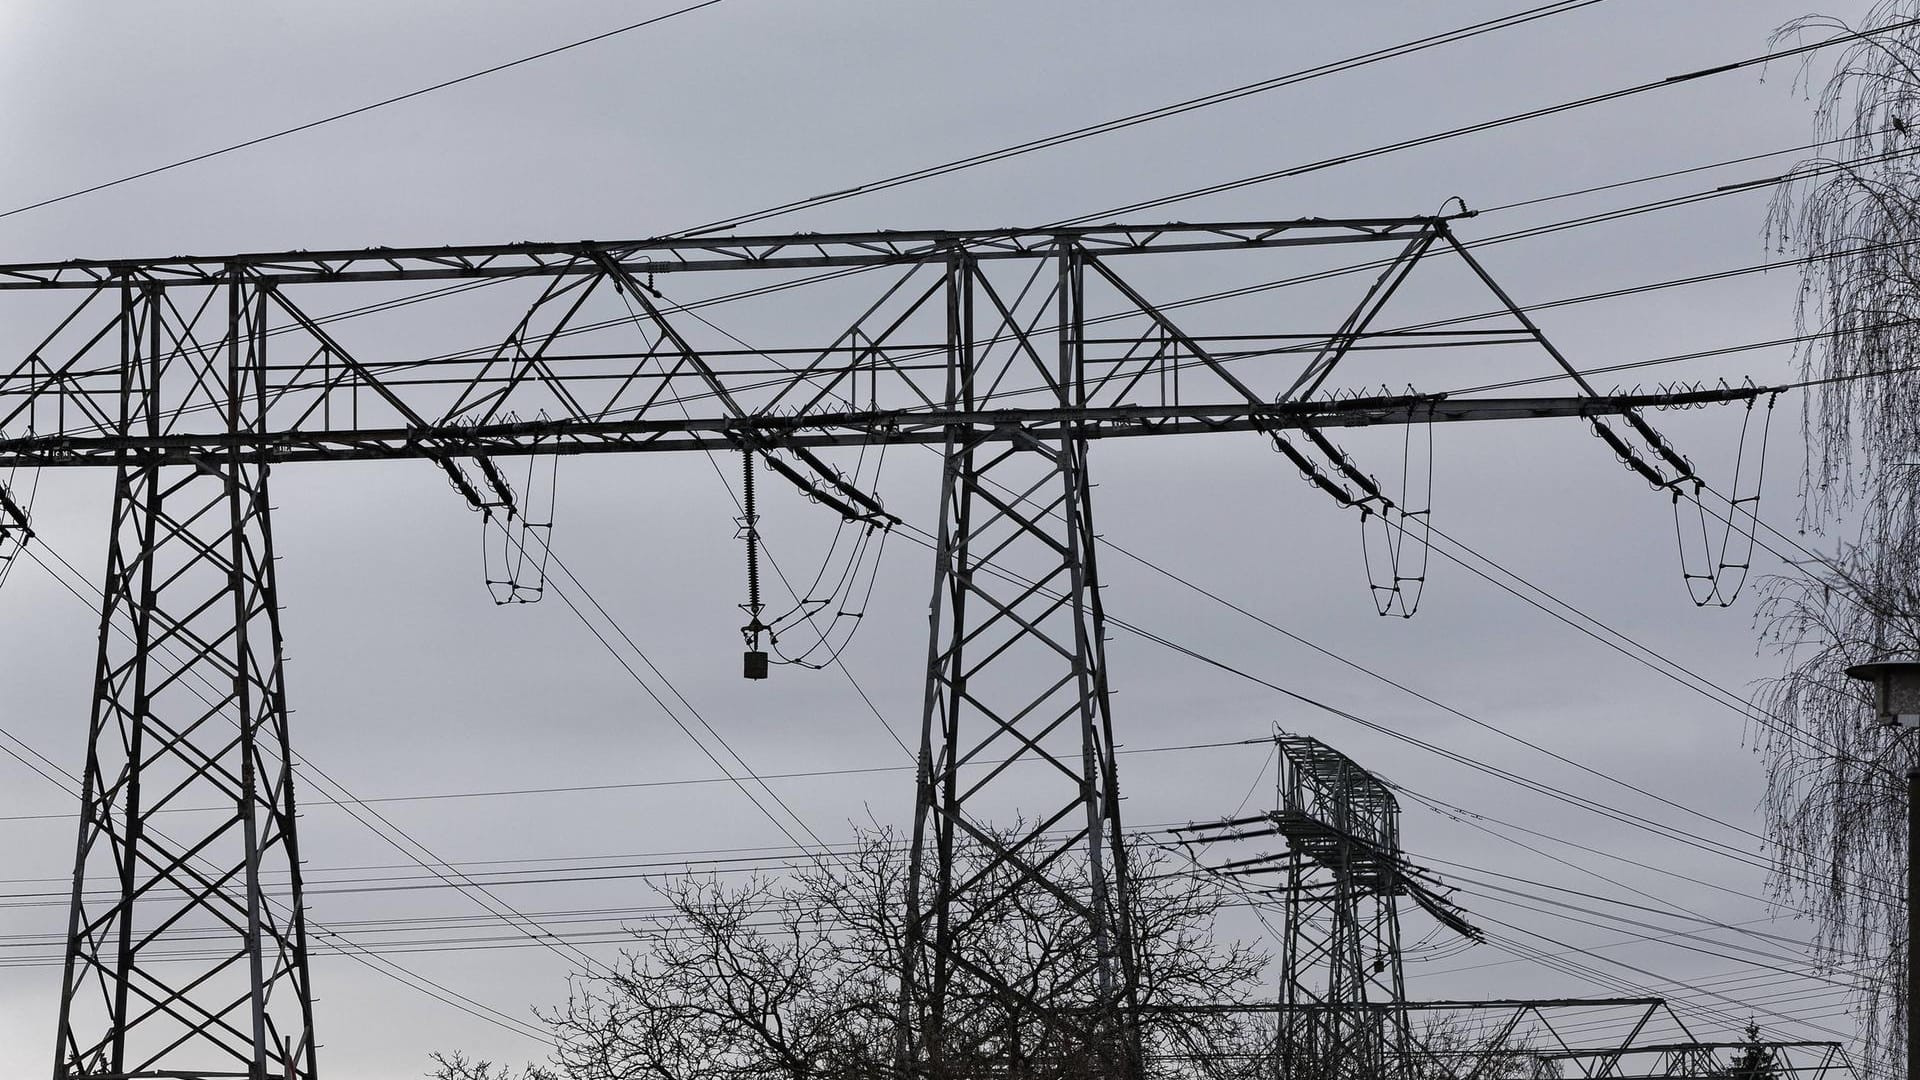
pixel 1342 987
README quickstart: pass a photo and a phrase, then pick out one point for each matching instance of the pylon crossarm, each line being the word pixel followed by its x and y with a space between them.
pixel 848 429
pixel 681 255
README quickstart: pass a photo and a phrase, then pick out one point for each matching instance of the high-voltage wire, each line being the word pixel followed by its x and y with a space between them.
pixel 1561 963
pixel 1719 192
pixel 1351 63
pixel 1644 973
pixel 1489 125
pixel 695 781
pixel 1748 832
pixel 1729 698
pixel 1405 689
pixel 1612 813
pixel 467 944
pixel 634 674
pixel 692 307
pixel 667 912
pixel 311 124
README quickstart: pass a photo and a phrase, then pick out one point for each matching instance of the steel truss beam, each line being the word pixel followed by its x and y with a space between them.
pixel 925 428
pixel 1551 1037
pixel 1011 350
pixel 681 254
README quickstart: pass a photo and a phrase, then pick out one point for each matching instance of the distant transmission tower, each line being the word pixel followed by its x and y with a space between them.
pixel 1343 997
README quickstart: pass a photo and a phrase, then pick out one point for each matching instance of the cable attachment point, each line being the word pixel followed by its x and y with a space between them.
pixel 1394 537
pixel 1714 567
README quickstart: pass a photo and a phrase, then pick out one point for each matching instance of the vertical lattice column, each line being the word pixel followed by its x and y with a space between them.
pixel 1342 988
pixel 1016 834
pixel 186 951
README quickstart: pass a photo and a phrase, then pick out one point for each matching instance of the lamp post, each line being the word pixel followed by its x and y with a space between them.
pixel 1896 701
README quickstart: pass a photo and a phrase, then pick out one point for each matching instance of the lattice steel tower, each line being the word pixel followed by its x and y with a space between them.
pixel 1343 994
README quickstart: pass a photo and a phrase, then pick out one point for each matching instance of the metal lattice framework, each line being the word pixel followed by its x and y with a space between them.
pixel 189 577
pixel 1342 1000
pixel 1558 1039
pixel 1008 350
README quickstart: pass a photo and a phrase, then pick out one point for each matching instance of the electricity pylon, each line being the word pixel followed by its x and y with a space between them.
pixel 1011 351
pixel 1343 1009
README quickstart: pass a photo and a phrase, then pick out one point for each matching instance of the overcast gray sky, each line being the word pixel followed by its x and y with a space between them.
pixel 407 681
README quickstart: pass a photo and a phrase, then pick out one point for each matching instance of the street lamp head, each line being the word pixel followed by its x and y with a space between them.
pixel 1896 690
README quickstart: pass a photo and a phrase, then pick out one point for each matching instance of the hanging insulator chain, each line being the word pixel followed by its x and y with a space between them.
pixel 756 658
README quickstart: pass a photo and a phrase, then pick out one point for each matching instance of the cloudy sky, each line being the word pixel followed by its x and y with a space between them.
pixel 407 681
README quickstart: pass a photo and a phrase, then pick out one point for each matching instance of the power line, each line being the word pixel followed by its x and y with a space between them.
pixel 383 103
pixel 1559 961
pixel 1615 814
pixel 1723 191
pixel 461 287
pixel 1351 63
pixel 557 789
pixel 1489 125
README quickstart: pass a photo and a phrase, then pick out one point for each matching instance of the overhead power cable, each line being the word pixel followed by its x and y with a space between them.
pixel 1560 960
pixel 778 287
pixel 1490 125
pixel 747 346
pixel 464 944
pixel 1738 1005
pixel 633 785
pixel 358 111
pixel 693 307
pixel 1416 694
pixel 1639 652
pixel 1048 142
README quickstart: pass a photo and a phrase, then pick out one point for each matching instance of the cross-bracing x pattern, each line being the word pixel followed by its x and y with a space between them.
pixel 1341 950
pixel 1009 351
pixel 1017 673
pixel 187 948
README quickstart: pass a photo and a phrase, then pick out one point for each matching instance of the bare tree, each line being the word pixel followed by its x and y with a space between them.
pixel 1835 798
pixel 1452 1049
pixel 795 977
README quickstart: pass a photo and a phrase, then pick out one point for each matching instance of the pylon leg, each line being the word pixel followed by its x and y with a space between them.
pixel 1016 673
pixel 186 950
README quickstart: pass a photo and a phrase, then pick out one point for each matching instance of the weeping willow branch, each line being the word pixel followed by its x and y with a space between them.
pixel 1836 802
